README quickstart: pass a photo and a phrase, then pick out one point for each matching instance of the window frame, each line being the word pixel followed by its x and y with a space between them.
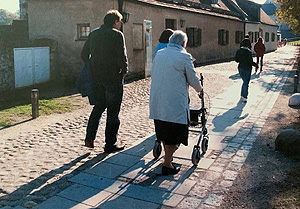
pixel 83 34
pixel 273 37
pixel 256 36
pixel 267 37
pixel 174 24
pixel 194 36
pixel 250 33
pixel 223 37
pixel 239 36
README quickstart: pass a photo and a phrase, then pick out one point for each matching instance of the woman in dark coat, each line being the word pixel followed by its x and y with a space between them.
pixel 260 50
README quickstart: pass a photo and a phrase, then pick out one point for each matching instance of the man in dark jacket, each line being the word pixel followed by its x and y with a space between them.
pixel 244 57
pixel 105 47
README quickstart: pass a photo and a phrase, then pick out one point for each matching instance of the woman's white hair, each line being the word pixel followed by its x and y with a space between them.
pixel 179 37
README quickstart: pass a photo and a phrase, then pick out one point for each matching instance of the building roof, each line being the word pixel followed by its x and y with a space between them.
pixel 254 12
pixel 197 6
pixel 264 18
pixel 230 9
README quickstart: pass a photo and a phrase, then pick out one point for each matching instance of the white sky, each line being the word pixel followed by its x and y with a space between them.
pixel 256 1
pixel 10 5
pixel 13 5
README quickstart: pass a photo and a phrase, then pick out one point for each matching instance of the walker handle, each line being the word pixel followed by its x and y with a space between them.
pixel 201 82
pixel 201 79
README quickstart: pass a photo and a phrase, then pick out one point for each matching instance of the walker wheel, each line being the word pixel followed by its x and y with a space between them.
pixel 157 150
pixel 196 155
pixel 204 144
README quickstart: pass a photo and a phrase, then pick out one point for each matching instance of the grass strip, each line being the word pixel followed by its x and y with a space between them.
pixel 46 107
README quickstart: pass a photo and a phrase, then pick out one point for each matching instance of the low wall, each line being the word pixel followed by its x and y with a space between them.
pixel 16 36
pixel 6 68
pixel 11 36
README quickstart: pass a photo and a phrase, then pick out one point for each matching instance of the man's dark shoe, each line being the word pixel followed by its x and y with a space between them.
pixel 169 171
pixel 113 148
pixel 89 143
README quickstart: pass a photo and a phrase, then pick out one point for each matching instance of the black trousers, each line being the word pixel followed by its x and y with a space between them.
pixel 108 97
pixel 261 61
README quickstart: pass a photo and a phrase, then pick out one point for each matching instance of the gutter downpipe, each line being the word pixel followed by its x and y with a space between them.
pixel 120 5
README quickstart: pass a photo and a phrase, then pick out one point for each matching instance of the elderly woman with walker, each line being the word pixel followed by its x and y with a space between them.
pixel 172 73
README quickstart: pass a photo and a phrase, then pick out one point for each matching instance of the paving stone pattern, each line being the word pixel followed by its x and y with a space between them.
pixel 45 165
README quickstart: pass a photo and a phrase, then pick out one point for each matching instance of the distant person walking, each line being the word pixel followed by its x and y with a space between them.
pixel 172 73
pixel 244 57
pixel 260 50
pixel 105 47
pixel 163 40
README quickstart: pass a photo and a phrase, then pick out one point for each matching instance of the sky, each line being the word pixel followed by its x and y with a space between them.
pixel 257 1
pixel 13 5
pixel 10 5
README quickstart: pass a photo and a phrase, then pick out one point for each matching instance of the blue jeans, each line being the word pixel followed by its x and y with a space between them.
pixel 245 74
pixel 110 97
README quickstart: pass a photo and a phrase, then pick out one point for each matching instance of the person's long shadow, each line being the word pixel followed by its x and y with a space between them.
pixel 229 118
pixel 148 188
pixel 135 178
pixel 104 181
pixel 36 189
pixel 237 76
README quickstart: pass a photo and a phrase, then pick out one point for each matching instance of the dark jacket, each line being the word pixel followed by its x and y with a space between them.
pixel 244 57
pixel 84 83
pixel 259 49
pixel 106 46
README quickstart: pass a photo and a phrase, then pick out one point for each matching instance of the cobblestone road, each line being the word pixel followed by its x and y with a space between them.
pixel 40 156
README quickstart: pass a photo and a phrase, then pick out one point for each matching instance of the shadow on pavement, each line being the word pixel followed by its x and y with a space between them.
pixel 271 68
pixel 231 116
pixel 130 176
pixel 37 189
pixel 24 121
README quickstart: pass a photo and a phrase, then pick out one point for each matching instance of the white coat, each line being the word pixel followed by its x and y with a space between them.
pixel 172 73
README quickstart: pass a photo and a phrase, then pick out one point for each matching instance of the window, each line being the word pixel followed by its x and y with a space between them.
pixel 223 37
pixel 273 37
pixel 267 38
pixel 251 36
pixel 256 36
pixel 239 36
pixel 83 31
pixel 170 23
pixel 194 37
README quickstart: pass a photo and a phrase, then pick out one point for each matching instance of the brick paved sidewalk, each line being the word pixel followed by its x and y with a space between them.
pixel 44 165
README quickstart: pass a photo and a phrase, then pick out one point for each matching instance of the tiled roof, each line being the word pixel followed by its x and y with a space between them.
pixel 220 9
pixel 230 9
pixel 238 7
pixel 264 18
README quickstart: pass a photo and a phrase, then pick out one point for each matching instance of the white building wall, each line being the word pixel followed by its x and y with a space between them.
pixel 262 29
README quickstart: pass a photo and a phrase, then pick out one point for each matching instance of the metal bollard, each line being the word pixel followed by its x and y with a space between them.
pixel 296 81
pixel 35 103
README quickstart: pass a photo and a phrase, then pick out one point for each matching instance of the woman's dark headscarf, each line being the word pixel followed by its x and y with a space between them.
pixel 246 43
pixel 165 35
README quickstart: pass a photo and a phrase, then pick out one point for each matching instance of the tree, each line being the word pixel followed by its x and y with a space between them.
pixel 289 12
pixel 6 17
